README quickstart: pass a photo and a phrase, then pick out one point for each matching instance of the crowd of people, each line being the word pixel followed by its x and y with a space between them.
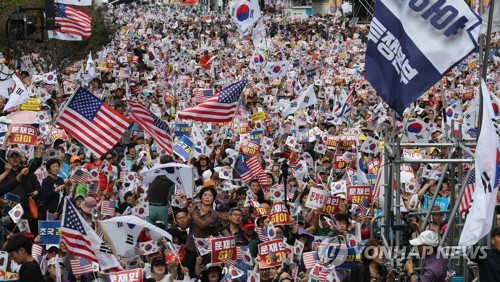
pixel 302 200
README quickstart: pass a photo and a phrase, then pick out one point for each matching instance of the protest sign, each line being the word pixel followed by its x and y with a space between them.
pixel 223 248
pixel 183 148
pixel 256 135
pixel 243 127
pixel 280 214
pixel 316 198
pixel 33 104
pixel 272 253
pixel 22 134
pixel 356 194
pixel 182 129
pixel 57 133
pixel 347 141
pixel 373 166
pixel 338 162
pixel 132 275
pixel 331 205
pixel 49 232
pixel 331 141
pixel 250 148
pixel 258 116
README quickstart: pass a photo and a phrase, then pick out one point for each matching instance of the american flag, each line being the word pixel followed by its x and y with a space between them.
pixel 74 235
pixel 202 95
pixel 261 233
pixel 36 251
pixel 93 122
pixel 346 107
pixel 219 108
pixel 80 175
pixel 310 259
pixel 108 207
pixel 248 167
pixel 81 266
pixel 73 21
pixel 348 156
pixel 362 211
pixel 153 125
pixel 48 88
pixel 469 191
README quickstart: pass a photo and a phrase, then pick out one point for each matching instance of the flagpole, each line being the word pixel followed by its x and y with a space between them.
pixel 484 63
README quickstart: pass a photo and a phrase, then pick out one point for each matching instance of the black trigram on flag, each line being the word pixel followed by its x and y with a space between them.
pixel 105 248
pixel 130 239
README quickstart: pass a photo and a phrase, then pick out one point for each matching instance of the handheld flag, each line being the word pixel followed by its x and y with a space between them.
pixel 487 170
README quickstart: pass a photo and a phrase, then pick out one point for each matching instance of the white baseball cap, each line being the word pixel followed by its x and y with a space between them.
pixel 428 238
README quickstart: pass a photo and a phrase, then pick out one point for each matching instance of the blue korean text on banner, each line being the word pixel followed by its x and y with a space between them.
pixel 303 135
pixel 413 43
pixel 182 129
pixel 372 178
pixel 442 203
pixel 49 232
pixel 11 201
pixel 256 135
pixel 183 148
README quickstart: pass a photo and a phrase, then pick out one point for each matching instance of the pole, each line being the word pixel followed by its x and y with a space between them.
pixel 455 208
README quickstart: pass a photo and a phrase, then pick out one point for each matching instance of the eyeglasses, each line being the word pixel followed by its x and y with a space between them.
pixel 237 214
pixel 109 158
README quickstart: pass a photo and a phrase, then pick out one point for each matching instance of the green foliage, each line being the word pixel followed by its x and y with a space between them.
pixel 59 54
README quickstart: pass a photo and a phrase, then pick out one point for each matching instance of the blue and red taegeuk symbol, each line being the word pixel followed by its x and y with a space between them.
pixel 415 127
pixel 243 12
pixel 277 69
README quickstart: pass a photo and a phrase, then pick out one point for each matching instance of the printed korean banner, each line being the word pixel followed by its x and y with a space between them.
pixel 338 163
pixel 411 45
pixel 331 141
pixel 331 205
pixel 373 166
pixel 33 104
pixel 250 148
pixel 260 212
pixel 223 248
pixel 57 133
pixel 356 194
pixel 49 232
pixel 256 135
pixel 243 127
pixel 132 275
pixel 22 134
pixel 347 141
pixel 182 129
pixel 272 253
pixel 183 148
pixel 316 198
pixel 258 116
pixel 280 214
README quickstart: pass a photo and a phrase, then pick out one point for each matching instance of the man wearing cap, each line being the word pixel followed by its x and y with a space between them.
pixel 29 185
pixel 489 265
pixel 434 267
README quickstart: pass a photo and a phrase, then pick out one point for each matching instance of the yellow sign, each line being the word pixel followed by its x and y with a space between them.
pixel 33 104
pixel 258 116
